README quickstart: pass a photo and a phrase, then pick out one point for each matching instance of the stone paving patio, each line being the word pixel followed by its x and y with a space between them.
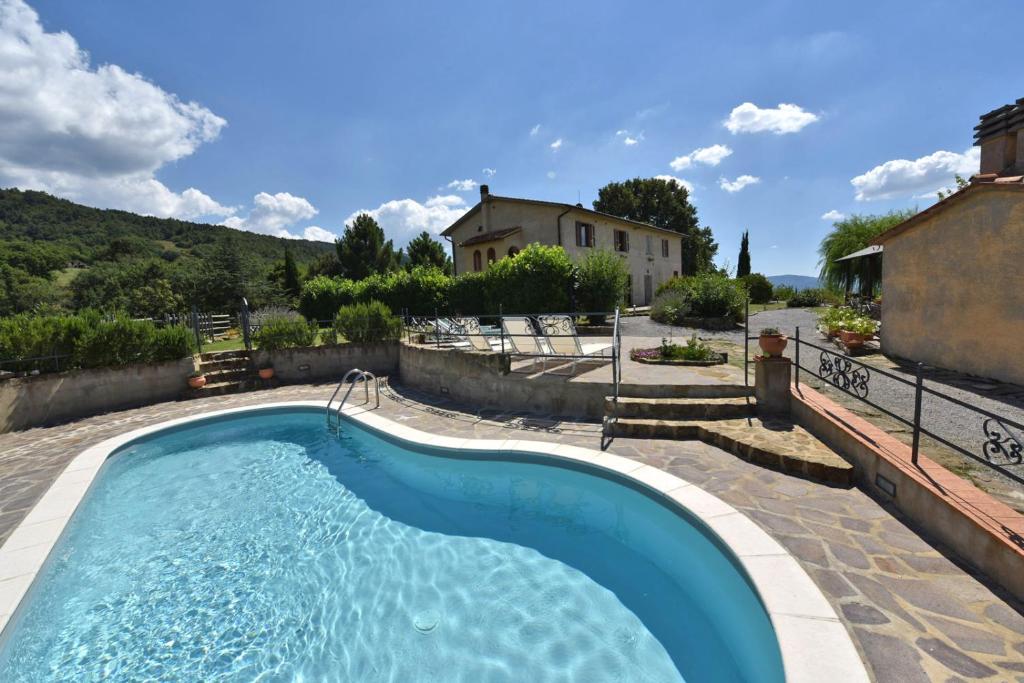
pixel 914 613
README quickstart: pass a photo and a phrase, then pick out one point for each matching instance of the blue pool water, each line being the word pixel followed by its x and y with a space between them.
pixel 261 547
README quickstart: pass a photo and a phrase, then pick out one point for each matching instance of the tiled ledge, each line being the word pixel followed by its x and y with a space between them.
pixel 803 619
pixel 985 532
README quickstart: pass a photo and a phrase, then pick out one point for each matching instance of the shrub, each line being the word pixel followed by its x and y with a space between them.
pixel 713 295
pixel 322 296
pixel 422 291
pixel 811 297
pixel 172 342
pixel 367 322
pixel 758 287
pixel 537 280
pixel 602 280
pixel 116 342
pixel 784 292
pixel 31 336
pixel 284 332
pixel 670 307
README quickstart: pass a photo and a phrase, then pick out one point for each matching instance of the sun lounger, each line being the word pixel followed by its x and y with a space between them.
pixel 562 339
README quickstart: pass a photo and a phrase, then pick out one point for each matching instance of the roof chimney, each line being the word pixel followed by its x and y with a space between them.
pixel 1002 147
pixel 484 191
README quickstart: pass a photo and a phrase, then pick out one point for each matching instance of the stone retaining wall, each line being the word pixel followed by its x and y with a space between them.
pixel 317 363
pixel 58 397
pixel 483 379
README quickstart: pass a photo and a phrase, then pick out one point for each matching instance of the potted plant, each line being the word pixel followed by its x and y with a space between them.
pixel 197 379
pixel 856 330
pixel 266 370
pixel 772 341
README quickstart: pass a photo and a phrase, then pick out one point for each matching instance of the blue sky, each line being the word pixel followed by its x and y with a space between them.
pixel 287 118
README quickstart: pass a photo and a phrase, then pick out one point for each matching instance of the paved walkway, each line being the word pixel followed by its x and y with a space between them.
pixel 914 614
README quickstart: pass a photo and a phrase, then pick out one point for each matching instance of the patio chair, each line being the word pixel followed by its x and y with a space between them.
pixel 562 339
pixel 522 339
pixel 470 332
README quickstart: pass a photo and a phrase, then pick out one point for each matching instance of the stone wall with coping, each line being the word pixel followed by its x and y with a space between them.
pixel 483 379
pixel 980 529
pixel 320 363
pixel 58 397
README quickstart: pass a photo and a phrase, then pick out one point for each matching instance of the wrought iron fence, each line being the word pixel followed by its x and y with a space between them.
pixel 996 441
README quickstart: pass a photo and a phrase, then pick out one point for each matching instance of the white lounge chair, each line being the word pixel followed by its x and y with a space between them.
pixel 562 339
pixel 468 330
pixel 523 340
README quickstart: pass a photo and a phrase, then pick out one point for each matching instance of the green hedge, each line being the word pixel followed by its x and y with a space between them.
pixel 90 341
pixel 808 298
pixel 540 279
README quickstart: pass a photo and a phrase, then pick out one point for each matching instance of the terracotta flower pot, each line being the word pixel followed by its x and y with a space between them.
pixel 266 373
pixel 197 382
pixel 773 344
pixel 852 340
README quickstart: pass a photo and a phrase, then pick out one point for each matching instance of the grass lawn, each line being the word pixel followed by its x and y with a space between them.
pixel 771 306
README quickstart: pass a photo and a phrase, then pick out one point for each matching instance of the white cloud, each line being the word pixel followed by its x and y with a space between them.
pixel 318 234
pixel 629 139
pixel 489 172
pixel 462 185
pixel 403 219
pixel 535 130
pixel 786 118
pixel 710 156
pixel 93 134
pixel 551 175
pixel 272 214
pixel 904 178
pixel 557 144
pixel 832 215
pixel 685 183
pixel 738 184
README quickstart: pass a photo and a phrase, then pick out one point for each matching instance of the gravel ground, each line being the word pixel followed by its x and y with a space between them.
pixel 960 426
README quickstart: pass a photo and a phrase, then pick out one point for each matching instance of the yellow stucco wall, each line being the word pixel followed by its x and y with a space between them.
pixel 538 223
pixel 953 288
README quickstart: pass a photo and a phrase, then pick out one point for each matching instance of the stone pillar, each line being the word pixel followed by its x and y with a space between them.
pixel 771 385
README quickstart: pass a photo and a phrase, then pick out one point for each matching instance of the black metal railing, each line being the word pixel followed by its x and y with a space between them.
pixel 998 441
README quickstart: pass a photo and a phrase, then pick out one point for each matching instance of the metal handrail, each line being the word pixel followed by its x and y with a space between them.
pixel 360 375
pixel 610 420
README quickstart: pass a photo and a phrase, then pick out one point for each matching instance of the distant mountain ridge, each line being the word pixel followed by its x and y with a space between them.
pixel 797 282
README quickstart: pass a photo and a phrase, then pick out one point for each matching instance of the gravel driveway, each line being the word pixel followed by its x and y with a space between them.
pixel 958 425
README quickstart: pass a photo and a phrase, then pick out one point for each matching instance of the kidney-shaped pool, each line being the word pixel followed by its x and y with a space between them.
pixel 261 546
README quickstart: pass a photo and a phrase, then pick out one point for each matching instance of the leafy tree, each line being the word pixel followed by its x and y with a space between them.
pixel 140 288
pixel 424 250
pixel 665 204
pixel 759 288
pixel 325 264
pixel 362 250
pixel 743 263
pixel 291 283
pixel 849 235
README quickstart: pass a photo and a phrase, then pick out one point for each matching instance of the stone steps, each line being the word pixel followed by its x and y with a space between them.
pixel 680 408
pixel 227 372
pixel 773 443
pixel 685 390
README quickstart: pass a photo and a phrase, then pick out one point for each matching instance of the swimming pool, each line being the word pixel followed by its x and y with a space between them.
pixel 258 544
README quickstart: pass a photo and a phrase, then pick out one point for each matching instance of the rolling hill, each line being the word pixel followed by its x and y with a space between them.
pixel 797 282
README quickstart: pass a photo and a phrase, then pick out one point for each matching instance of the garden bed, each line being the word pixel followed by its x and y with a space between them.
pixel 691 363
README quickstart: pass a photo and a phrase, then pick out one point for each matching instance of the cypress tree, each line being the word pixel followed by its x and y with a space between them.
pixel 743 265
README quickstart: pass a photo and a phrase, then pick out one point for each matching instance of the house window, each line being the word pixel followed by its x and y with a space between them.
pixel 621 240
pixel 477 265
pixel 512 251
pixel 491 256
pixel 649 243
pixel 584 234
pixel 664 248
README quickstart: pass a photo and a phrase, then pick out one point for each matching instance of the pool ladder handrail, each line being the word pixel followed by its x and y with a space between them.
pixel 360 375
